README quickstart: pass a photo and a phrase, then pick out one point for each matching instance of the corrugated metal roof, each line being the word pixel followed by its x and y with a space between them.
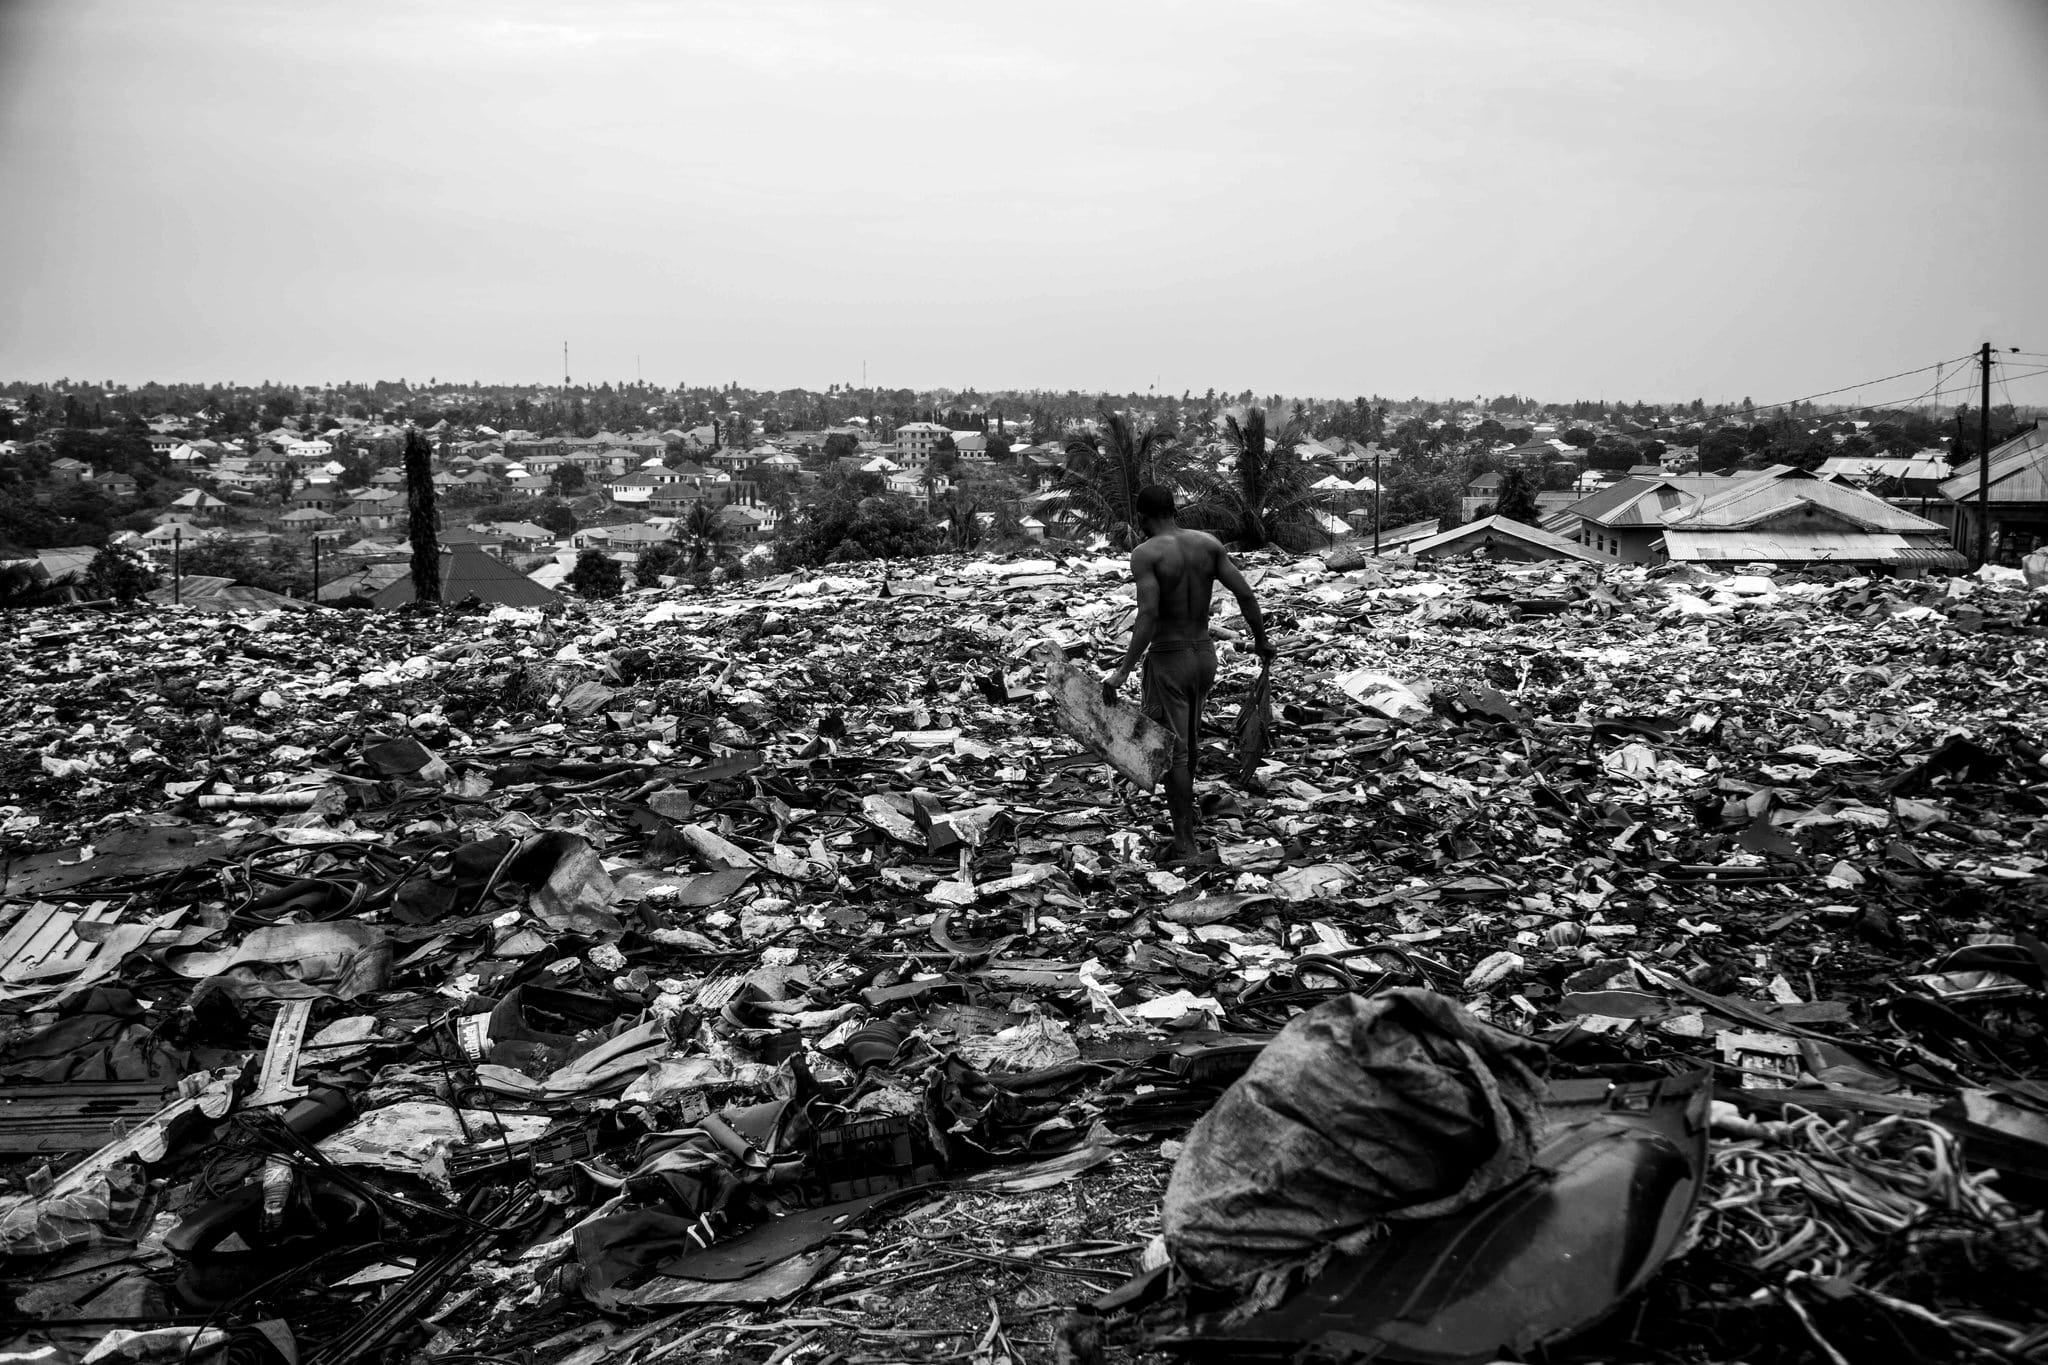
pixel 1788 546
pixel 1884 466
pixel 1628 503
pixel 1414 530
pixel 465 572
pixel 1491 528
pixel 209 592
pixel 2019 471
pixel 1774 493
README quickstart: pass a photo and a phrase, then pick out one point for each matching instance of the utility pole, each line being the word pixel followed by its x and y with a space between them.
pixel 1376 487
pixel 1984 458
pixel 177 566
pixel 316 568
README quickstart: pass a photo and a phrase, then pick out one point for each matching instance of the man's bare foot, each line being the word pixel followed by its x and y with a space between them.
pixel 1175 855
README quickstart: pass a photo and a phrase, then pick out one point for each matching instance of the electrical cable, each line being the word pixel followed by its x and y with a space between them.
pixel 1851 388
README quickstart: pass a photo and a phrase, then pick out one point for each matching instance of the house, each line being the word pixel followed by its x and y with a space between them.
pixel 163 443
pixel 972 446
pixel 529 485
pixel 1481 491
pixel 909 483
pixel 321 496
pixel 211 593
pixel 113 483
pixel 1903 476
pixel 1396 540
pixel 638 487
pixel 1625 520
pixel 367 515
pixel 918 440
pixel 362 582
pixel 1783 515
pixel 524 535
pixel 2018 497
pixel 197 502
pixel 1534 453
pixel 737 461
pixel 307 519
pixel 745 524
pixel 630 536
pixel 466 573
pixel 66 559
pixel 473 538
pixel 64 469
pixel 781 460
pixel 173 530
pixel 314 448
pixel 1499 538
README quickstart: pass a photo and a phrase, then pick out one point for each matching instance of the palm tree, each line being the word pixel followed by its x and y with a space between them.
pixel 421 519
pixel 1105 470
pixel 963 517
pixel 1266 496
pixel 705 536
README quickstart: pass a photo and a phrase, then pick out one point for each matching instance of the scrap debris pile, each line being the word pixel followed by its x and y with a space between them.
pixel 761 974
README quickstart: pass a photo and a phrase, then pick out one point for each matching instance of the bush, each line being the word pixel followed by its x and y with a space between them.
pixel 119 573
pixel 596 576
pixel 654 561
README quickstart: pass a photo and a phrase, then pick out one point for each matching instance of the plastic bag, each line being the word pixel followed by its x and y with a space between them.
pixel 1362 1110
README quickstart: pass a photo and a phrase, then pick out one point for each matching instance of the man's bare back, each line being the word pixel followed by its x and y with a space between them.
pixel 1186 566
pixel 1184 563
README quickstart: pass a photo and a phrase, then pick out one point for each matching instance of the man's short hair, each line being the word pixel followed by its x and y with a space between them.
pixel 1155 501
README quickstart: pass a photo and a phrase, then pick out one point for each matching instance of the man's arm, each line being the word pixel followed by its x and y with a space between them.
pixel 1146 572
pixel 1228 575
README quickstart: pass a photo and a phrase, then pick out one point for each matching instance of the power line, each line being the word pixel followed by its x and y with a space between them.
pixel 1868 383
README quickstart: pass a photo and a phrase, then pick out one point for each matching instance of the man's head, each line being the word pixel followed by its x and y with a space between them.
pixel 1155 507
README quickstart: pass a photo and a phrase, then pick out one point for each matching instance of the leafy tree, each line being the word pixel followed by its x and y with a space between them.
pixel 596 576
pixel 566 479
pixel 1723 449
pixel 843 524
pixel 119 573
pixel 1579 437
pixel 556 517
pixel 1106 469
pixel 356 470
pixel 653 562
pixel 422 522
pixel 777 488
pixel 1516 497
pixel 841 444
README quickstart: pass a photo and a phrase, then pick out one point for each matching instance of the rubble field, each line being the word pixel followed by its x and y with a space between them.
pixel 762 973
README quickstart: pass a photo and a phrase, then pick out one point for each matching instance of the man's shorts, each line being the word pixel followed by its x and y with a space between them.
pixel 1177 678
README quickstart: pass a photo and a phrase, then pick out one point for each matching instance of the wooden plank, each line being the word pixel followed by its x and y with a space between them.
pixel 1124 737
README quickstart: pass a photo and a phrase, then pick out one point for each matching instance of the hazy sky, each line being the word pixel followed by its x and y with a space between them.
pixel 1449 197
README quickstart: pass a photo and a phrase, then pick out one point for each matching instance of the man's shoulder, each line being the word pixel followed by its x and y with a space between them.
pixel 1200 540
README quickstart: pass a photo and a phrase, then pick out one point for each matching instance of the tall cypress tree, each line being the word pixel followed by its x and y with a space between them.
pixel 422 518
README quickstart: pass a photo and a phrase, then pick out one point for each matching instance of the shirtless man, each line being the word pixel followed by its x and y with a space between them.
pixel 1176 570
